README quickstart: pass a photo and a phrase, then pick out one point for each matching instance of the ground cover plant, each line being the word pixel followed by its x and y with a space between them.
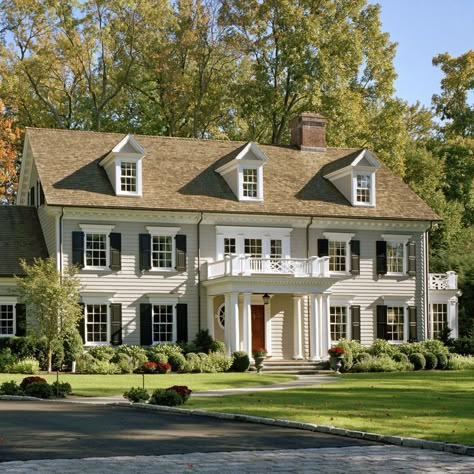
pixel 115 385
pixel 432 405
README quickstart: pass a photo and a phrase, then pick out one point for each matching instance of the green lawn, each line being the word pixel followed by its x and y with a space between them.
pixel 430 404
pixel 109 385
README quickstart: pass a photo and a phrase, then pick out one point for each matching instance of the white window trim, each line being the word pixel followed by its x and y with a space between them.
pixel 97 301
pixel 398 239
pixel 341 237
pixel 366 172
pixel 266 234
pixel 347 305
pixel 164 232
pixel 97 229
pixel 118 175
pixel 10 301
pixel 400 304
pixel 217 316
pixel 240 185
pixel 168 301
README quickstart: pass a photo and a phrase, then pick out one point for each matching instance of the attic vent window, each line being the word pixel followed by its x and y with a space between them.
pixel 363 188
pixel 128 176
pixel 250 183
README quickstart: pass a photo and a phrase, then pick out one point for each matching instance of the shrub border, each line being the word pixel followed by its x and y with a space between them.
pixel 386 439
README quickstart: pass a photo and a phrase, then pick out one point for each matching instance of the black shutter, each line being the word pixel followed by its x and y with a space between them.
pixel 146 336
pixel 32 196
pixel 78 249
pixel 41 196
pixel 115 251
pixel 323 247
pixel 411 246
pixel 145 251
pixel 381 249
pixel 81 324
pixel 20 320
pixel 116 323
pixel 355 322
pixel 355 257
pixel 381 322
pixel 412 332
pixel 180 253
pixel 182 322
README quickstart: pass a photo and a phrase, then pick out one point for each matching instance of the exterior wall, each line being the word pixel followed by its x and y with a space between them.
pixel 129 286
pixel 48 226
pixel 344 185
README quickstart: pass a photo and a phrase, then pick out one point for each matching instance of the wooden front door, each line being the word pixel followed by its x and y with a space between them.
pixel 258 327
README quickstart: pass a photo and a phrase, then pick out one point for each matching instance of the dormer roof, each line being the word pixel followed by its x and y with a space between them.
pixel 127 147
pixel 250 153
pixel 361 159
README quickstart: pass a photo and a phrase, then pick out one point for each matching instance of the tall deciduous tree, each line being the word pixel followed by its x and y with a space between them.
pixel 52 300
pixel 9 151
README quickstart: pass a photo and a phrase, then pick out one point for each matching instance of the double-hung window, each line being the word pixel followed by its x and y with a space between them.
pixel 97 324
pixel 338 251
pixel 96 246
pixel 395 257
pixel 128 177
pixel 363 188
pixel 338 321
pixel 439 317
pixel 163 248
pixel 7 320
pixel 253 248
pixel 250 183
pixel 395 323
pixel 229 246
pixel 164 323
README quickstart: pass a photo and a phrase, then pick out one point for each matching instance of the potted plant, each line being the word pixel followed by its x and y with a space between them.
pixel 259 355
pixel 336 354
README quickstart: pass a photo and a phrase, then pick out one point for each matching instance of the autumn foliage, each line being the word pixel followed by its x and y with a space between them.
pixel 9 145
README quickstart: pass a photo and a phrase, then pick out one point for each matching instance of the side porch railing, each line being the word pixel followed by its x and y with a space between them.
pixel 443 281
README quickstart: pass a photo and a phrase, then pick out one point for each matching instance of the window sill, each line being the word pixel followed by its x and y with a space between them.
pixel 7 335
pixel 162 270
pixel 94 344
pixel 395 274
pixel 336 274
pixel 96 269
pixel 165 342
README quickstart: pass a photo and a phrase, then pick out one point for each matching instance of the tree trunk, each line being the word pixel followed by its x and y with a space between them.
pixel 50 360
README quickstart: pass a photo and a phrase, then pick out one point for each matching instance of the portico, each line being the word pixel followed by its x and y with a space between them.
pixel 290 322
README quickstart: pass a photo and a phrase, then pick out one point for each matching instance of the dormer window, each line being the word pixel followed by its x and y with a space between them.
pixel 354 177
pixel 363 188
pixel 244 174
pixel 128 177
pixel 123 166
pixel 250 183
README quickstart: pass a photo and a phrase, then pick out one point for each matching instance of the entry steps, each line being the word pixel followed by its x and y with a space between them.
pixel 299 367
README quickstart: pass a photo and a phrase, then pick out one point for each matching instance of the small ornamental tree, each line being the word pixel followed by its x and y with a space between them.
pixel 52 300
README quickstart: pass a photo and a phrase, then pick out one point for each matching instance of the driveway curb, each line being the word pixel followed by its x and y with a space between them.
pixel 386 439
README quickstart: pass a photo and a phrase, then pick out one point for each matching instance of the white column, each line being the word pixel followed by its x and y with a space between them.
pixel 227 324
pixel 234 322
pixel 452 316
pixel 247 317
pixel 313 327
pixel 210 315
pixel 326 325
pixel 298 327
pixel 268 327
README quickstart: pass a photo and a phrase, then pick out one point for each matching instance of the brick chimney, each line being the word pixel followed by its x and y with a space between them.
pixel 308 132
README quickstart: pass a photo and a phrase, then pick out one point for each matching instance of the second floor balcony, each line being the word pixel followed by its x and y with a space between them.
pixel 247 266
pixel 443 281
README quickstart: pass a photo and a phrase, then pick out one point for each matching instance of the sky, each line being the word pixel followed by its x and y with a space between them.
pixel 424 29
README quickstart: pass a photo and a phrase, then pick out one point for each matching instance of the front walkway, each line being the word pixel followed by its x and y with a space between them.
pixel 354 459
pixel 302 381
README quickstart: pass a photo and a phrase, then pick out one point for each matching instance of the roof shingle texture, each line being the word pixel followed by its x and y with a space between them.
pixel 20 238
pixel 179 174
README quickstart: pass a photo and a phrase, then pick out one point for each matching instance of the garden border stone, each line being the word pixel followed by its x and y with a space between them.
pixel 386 439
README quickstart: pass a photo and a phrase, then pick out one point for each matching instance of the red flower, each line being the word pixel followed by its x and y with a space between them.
pixel 181 390
pixel 163 368
pixel 29 380
pixel 336 351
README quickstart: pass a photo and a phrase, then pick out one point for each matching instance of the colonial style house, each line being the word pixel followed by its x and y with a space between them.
pixel 284 247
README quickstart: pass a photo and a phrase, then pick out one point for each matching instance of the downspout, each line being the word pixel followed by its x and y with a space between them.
pixel 199 268
pixel 307 296
pixel 61 243
pixel 427 291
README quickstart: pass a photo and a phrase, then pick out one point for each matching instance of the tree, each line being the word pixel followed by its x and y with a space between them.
pixel 9 152
pixel 52 300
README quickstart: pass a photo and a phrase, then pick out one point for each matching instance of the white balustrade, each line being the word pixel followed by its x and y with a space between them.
pixel 443 281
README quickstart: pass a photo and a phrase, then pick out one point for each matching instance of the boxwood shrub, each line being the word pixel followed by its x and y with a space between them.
pixel 418 360
pixel 431 361
pixel 241 362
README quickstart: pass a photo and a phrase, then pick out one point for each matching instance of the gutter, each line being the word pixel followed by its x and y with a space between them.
pixel 199 268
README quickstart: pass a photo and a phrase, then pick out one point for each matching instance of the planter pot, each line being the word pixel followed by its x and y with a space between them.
pixel 259 363
pixel 335 362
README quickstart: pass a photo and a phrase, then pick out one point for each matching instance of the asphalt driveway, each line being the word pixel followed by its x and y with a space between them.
pixel 51 430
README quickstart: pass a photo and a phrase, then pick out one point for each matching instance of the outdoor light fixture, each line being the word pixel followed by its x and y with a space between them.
pixel 266 298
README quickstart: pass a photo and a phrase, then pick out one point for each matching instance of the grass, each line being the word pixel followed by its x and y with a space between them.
pixel 110 385
pixel 430 404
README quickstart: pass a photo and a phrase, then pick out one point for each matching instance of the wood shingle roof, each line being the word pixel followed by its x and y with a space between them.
pixel 179 174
